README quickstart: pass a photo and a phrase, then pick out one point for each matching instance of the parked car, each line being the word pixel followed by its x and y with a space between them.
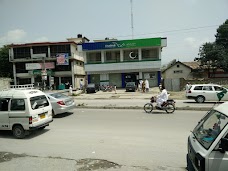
pixel 60 103
pixel 92 88
pixel 130 86
pixel 205 92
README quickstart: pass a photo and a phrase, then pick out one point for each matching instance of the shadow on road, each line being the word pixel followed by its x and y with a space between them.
pixel 192 102
pixel 9 135
pixel 63 115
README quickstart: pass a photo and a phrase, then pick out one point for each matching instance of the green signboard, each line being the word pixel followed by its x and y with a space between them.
pixel 38 72
pixel 135 43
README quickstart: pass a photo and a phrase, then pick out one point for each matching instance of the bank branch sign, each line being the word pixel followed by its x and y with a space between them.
pixel 136 43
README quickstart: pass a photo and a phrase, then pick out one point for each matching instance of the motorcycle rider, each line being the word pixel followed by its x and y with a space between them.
pixel 162 97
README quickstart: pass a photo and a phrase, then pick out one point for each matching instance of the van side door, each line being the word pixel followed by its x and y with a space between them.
pixel 18 114
pixel 4 114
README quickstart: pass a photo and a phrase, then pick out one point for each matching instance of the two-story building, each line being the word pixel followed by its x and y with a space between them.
pixel 59 60
pixel 116 62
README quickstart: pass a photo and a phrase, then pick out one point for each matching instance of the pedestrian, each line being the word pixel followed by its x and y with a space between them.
pixel 187 86
pixel 81 84
pixel 115 89
pixel 160 87
pixel 70 90
pixel 147 85
pixel 143 87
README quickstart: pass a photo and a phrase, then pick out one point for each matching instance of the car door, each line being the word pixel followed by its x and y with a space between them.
pixel 208 93
pixel 4 114
pixel 219 89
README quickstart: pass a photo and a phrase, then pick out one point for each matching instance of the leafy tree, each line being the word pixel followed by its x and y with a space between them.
pixel 6 69
pixel 222 35
pixel 215 55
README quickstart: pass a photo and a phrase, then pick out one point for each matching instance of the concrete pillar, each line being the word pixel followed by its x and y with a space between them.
pixel 49 52
pixel 14 74
pixel 85 57
pixel 102 56
pixel 72 74
pixel 140 75
pixel 32 80
pixel 59 80
pixel 31 51
pixel 121 55
pixel 140 54
pixel 159 53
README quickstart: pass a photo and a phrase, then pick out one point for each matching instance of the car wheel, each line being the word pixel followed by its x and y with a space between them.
pixel 53 113
pixel 18 132
pixel 200 99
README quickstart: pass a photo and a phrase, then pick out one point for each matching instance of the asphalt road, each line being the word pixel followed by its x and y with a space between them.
pixel 95 139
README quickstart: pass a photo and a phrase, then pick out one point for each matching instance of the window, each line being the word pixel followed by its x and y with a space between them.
pixel 40 49
pixel 148 54
pixel 198 87
pixel 38 102
pixel 207 88
pixel 112 56
pixel 178 66
pixel 56 49
pixel 22 52
pixel 17 104
pixel 131 55
pixel 4 104
pixel 93 57
pixel 218 88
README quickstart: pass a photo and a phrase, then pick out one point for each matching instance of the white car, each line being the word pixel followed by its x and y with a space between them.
pixel 206 92
pixel 60 103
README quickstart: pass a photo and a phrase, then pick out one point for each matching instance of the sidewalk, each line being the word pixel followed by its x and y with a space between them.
pixel 133 100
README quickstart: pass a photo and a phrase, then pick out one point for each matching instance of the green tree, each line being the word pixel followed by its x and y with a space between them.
pixel 215 55
pixel 6 69
pixel 222 35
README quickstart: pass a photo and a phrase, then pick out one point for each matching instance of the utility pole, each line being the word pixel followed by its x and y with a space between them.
pixel 43 73
pixel 132 24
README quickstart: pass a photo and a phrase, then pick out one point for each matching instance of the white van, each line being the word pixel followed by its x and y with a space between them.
pixel 208 143
pixel 24 110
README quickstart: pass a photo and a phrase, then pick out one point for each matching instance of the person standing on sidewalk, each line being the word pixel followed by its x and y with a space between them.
pixel 147 85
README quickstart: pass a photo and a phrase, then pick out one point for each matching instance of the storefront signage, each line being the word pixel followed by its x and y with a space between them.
pixel 39 72
pixel 32 66
pixel 62 59
pixel 122 44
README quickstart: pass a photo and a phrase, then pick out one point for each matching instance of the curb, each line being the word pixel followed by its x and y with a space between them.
pixel 141 108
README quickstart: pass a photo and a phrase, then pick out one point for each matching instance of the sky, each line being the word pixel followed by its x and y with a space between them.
pixel 186 24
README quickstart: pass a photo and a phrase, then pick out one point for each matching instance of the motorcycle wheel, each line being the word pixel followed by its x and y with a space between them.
pixel 170 108
pixel 148 107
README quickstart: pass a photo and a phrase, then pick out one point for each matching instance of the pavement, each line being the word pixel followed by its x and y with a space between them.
pixel 134 100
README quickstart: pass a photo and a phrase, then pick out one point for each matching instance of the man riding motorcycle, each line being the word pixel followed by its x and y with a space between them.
pixel 162 97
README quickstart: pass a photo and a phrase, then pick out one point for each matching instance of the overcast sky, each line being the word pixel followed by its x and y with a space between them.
pixel 187 24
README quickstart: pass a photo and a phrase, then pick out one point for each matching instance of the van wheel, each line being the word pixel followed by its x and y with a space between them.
pixel 41 128
pixel 200 99
pixel 18 132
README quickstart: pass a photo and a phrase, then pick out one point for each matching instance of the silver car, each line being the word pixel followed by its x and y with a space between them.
pixel 60 103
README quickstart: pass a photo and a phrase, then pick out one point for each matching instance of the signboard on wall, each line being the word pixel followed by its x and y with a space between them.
pixel 136 43
pixel 62 59
pixel 32 66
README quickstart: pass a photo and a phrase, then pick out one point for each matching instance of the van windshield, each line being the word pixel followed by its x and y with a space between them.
pixel 39 102
pixel 210 127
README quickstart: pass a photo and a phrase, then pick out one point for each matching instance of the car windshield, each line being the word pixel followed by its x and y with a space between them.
pixel 38 102
pixel 58 95
pixel 130 84
pixel 210 127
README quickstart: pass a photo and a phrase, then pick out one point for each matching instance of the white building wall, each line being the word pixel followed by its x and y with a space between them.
pixel 169 73
pixel 142 65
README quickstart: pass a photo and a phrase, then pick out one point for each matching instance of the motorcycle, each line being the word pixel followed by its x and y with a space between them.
pixel 168 106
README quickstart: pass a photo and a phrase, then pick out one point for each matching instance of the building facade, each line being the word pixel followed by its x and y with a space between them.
pixel 60 61
pixel 112 62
